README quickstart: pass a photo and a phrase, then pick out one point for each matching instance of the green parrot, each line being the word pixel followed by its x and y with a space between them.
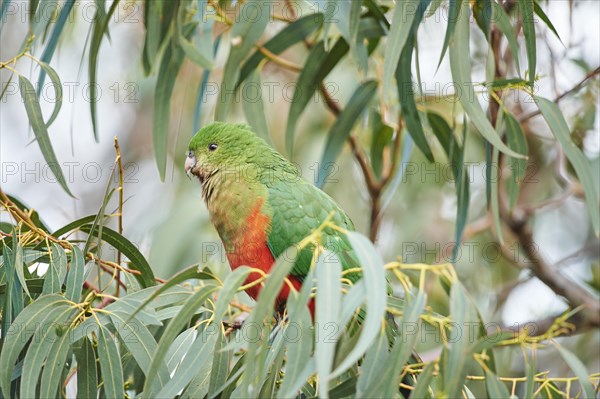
pixel 259 204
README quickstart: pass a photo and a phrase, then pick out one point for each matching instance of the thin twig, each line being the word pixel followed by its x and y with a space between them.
pixel 282 62
pixel 574 89
pixel 119 163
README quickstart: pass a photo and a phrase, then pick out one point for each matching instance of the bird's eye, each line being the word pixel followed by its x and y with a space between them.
pixel 212 146
pixel 190 153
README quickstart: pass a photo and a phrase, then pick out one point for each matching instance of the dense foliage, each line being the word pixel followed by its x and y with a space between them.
pixel 83 312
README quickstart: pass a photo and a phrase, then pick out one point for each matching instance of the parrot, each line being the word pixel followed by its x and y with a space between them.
pixel 260 205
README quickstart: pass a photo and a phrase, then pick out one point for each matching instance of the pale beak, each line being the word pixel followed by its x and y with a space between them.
pixel 190 162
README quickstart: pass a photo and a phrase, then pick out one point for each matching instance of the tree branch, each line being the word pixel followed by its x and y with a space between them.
pixel 373 185
pixel 561 284
pixel 551 276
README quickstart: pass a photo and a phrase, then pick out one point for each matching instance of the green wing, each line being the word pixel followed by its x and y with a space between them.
pixel 298 208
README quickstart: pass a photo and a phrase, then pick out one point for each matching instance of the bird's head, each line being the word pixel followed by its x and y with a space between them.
pixel 223 146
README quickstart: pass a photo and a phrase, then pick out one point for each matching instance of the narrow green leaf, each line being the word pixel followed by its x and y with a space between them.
pixel 54 367
pixel 174 295
pixel 74 225
pixel 190 50
pixel 327 313
pixel 540 13
pixel 381 136
pixel 454 11
pixel 373 273
pixel 517 141
pixel 551 391
pixel 435 5
pixel 8 83
pixel 422 388
pixel 579 369
pixel 272 367
pixel 582 165
pixel 18 265
pixel 317 66
pixel 200 100
pixel 299 348
pixel 194 54
pixel 39 18
pixel 498 84
pixel 404 344
pixel 445 136
pixel 404 13
pixel 100 23
pixel 138 262
pixel 192 272
pixel 406 93
pixel 3 8
pixel 254 107
pixel 140 342
pixel 453 367
pixel 198 386
pixel 56 34
pixel 152 18
pixel 57 270
pixel 378 12
pixel 220 367
pixel 263 310
pixel 230 287
pixel 482 11
pixel 353 300
pixel 87 373
pixel 179 348
pixel 455 154
pixel 75 276
pixel 527 19
pixel 8 269
pixel 34 285
pixel 167 74
pixel 245 31
pixel 46 334
pixel 287 37
pixel 205 42
pixel 17 301
pixel 344 390
pixel 341 129
pixel 125 306
pixel 110 365
pixel 372 368
pixel 495 387
pixel 340 14
pixel 460 64
pixel 300 382
pixel 34 113
pixel 58 92
pixel 172 331
pixel 530 375
pixel 357 44
pixel 494 195
pixel 371 29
